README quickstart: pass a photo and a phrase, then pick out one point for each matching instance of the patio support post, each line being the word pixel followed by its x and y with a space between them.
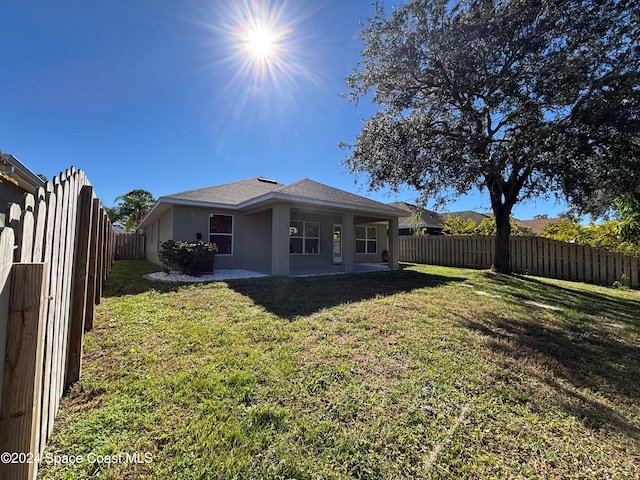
pixel 394 241
pixel 280 223
pixel 348 242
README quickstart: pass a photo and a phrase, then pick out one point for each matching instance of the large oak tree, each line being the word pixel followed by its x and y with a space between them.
pixel 505 96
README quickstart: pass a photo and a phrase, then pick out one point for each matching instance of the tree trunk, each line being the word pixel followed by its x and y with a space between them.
pixel 501 261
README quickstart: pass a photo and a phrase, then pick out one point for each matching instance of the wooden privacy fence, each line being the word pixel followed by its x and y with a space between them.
pixel 529 255
pixel 129 246
pixel 56 249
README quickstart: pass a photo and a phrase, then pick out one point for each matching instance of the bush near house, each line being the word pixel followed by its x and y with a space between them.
pixel 192 258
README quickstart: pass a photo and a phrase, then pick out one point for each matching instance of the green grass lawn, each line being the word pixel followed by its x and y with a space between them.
pixel 428 372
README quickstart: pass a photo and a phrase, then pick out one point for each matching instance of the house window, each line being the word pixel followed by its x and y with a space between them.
pixel 221 232
pixel 304 237
pixel 366 240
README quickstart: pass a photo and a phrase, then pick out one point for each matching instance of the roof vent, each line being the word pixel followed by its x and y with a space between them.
pixel 267 180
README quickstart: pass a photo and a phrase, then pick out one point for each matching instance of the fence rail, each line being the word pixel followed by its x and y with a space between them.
pixel 56 249
pixel 129 246
pixel 538 256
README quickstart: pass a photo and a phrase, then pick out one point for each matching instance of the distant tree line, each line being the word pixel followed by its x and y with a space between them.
pixel 620 234
pixel 458 226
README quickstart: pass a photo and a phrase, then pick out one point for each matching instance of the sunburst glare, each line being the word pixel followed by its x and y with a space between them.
pixel 261 42
pixel 269 54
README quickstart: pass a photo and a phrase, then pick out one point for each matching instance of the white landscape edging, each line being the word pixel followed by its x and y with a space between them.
pixel 218 275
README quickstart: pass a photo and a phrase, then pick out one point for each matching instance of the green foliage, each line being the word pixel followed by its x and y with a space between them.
pixel 131 208
pixel 416 221
pixel 565 230
pixel 604 235
pixel 629 225
pixel 457 226
pixel 513 97
pixel 192 258
pixel 487 227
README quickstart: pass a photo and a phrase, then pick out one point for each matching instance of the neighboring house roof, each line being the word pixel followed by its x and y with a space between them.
pixel 536 225
pixel 428 218
pixel 14 171
pixel 431 219
pixel 469 214
pixel 256 193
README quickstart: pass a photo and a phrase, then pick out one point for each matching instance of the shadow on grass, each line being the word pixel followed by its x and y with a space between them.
pixel 589 303
pixel 126 278
pixel 289 297
pixel 596 350
pixel 286 297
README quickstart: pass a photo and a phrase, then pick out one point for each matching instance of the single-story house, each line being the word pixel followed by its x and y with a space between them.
pixel 263 225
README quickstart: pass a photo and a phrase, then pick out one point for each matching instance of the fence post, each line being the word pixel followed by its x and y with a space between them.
pixel 100 255
pixel 93 264
pixel 51 259
pixel 79 288
pixel 6 260
pixel 21 402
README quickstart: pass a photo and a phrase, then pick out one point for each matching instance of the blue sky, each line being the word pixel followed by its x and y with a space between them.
pixel 166 95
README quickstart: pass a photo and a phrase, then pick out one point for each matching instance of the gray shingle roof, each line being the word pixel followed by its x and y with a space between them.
pixel 308 189
pixel 256 192
pixel 428 218
pixel 233 193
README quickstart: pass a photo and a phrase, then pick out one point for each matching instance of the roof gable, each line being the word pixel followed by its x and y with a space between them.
pixel 233 193
pixel 261 193
pixel 311 190
pixel 428 218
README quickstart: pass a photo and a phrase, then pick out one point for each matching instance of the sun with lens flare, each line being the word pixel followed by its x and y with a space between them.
pixel 266 50
pixel 261 42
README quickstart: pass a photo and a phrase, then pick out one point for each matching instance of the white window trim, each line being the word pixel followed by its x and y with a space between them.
pixel 233 227
pixel 304 237
pixel 366 240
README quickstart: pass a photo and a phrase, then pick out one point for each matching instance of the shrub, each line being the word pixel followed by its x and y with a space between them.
pixel 458 226
pixel 191 257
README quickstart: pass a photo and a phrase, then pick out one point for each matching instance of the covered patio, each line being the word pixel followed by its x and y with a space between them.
pixel 313 271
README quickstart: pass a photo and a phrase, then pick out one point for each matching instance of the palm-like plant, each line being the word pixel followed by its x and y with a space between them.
pixel 131 208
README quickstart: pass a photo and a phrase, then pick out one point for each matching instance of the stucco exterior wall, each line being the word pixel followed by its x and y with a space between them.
pixel 159 231
pixel 251 235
